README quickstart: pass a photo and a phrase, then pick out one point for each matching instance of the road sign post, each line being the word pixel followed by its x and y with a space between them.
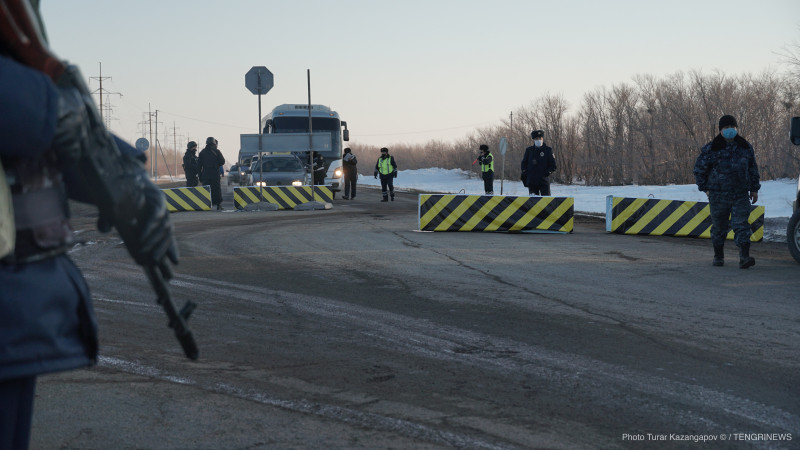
pixel 259 81
pixel 503 147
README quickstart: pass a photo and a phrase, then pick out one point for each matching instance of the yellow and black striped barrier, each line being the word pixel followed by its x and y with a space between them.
pixel 441 212
pixel 188 198
pixel 286 197
pixel 669 218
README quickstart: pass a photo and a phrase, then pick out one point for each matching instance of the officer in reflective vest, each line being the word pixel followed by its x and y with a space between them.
pixel 387 169
pixel 486 161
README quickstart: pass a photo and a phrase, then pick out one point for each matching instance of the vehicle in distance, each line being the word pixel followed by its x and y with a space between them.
pixel 236 174
pixel 277 170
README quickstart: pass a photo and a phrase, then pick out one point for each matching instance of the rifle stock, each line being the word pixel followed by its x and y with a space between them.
pixel 103 167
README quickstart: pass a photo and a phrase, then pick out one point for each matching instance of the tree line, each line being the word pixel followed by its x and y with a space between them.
pixel 648 131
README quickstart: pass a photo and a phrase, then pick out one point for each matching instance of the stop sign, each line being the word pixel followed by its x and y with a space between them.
pixel 258 80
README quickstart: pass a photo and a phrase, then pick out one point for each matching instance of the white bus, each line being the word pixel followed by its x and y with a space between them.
pixel 293 118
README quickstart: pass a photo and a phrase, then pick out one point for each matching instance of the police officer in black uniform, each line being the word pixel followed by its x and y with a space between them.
pixel 350 169
pixel 537 164
pixel 191 166
pixel 319 169
pixel 210 160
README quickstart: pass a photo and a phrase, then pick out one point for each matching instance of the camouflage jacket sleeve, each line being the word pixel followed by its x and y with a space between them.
pixel 702 167
pixel 752 172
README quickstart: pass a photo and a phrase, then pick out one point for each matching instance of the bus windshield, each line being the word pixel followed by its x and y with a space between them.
pixel 296 124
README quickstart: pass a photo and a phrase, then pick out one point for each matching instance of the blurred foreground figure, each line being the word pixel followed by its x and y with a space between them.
pixel 54 149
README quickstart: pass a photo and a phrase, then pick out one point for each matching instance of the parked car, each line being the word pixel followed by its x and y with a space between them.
pixel 236 175
pixel 277 170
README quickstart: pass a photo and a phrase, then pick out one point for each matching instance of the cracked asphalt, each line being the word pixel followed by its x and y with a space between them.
pixel 349 328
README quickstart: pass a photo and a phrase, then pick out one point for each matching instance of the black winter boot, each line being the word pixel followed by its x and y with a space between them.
pixel 745 260
pixel 719 255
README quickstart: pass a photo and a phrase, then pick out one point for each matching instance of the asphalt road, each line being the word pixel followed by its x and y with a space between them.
pixel 348 328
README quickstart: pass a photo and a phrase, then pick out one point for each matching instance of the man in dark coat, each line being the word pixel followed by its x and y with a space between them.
pixel 350 169
pixel 537 164
pixel 210 160
pixel 191 167
pixel 727 172
pixel 387 169
pixel 47 322
pixel 319 169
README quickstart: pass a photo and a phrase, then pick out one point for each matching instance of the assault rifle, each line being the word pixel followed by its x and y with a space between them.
pixel 115 190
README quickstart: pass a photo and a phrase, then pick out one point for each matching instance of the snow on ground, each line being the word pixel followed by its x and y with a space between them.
pixel 775 195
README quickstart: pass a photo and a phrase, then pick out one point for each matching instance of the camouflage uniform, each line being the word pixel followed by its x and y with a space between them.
pixel 728 172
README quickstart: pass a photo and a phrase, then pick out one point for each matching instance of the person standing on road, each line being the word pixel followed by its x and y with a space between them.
pixel 47 322
pixel 349 163
pixel 487 169
pixel 190 165
pixel 537 164
pixel 387 169
pixel 319 169
pixel 727 172
pixel 210 160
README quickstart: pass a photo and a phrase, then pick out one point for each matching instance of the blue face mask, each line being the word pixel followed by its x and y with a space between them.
pixel 729 133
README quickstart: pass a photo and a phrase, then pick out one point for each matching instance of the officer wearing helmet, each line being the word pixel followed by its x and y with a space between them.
pixel 210 160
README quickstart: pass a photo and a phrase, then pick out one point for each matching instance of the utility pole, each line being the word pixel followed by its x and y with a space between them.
pixel 153 143
pixel 155 160
pixel 105 118
pixel 175 145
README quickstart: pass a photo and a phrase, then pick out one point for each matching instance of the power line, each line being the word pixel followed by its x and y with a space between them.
pixel 105 110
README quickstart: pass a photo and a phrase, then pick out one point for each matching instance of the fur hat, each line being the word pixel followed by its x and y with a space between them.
pixel 537 134
pixel 727 121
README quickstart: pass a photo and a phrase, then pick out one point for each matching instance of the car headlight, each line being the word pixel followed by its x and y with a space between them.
pixel 261 183
pixel 337 173
pixel 297 183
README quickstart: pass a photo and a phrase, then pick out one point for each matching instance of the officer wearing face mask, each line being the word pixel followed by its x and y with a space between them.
pixel 537 164
pixel 726 171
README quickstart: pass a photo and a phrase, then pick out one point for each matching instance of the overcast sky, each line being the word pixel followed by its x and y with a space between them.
pixel 397 71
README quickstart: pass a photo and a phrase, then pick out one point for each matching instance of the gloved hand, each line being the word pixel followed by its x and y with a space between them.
pixel 72 130
pixel 376 175
pixel 143 220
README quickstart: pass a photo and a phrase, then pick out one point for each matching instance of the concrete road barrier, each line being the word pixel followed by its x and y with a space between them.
pixel 286 197
pixel 188 198
pixel 657 217
pixel 440 212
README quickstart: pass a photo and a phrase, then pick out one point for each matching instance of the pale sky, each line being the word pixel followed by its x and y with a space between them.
pixel 396 71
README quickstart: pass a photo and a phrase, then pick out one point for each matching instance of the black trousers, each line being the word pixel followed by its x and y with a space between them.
pixel 488 182
pixel 350 178
pixel 539 189
pixel 16 412
pixel 216 189
pixel 387 182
